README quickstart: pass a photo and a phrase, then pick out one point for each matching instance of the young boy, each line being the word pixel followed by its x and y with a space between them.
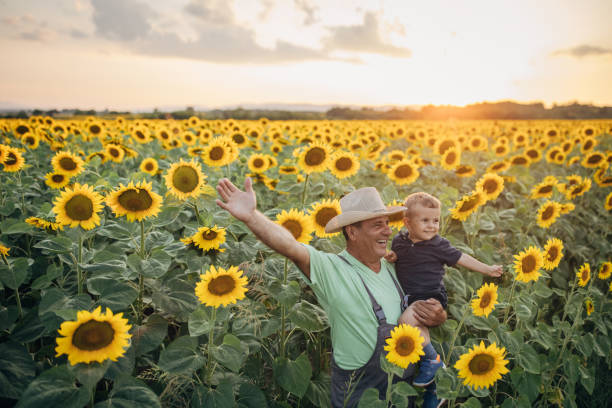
pixel 419 255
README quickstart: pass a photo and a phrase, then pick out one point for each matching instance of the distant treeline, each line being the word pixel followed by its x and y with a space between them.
pixel 485 110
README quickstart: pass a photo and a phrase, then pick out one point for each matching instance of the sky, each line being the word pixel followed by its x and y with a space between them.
pixel 137 54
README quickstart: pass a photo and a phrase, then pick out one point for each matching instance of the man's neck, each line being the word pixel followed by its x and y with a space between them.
pixel 373 264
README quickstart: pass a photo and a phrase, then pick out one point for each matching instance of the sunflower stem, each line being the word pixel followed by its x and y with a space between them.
pixel 211 335
pixel 509 302
pixel 283 313
pixel 195 207
pixel 78 266
pixel 389 388
pixel 305 188
pixel 17 298
pixel 452 346
pixel 140 276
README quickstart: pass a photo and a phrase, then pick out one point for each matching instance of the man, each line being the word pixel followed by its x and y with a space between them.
pixel 356 288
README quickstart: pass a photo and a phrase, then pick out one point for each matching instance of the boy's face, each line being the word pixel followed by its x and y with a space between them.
pixel 423 223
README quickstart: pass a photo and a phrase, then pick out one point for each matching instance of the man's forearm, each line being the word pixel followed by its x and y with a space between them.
pixel 280 240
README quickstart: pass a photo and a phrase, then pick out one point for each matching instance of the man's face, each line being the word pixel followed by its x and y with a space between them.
pixel 371 237
pixel 423 223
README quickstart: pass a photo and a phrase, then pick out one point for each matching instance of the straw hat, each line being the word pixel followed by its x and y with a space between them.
pixel 360 205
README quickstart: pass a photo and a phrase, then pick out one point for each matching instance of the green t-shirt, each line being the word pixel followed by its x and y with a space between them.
pixel 349 309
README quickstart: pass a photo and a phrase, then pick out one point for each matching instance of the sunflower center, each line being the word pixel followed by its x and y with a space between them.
pixel 324 215
pixel 258 163
pixel 485 300
pixel 519 160
pixel 67 163
pixel 93 335
pixel 552 253
pixel 444 146
pixel 149 166
pixel 469 204
pixel 294 227
pixel 209 235
pixel 532 153
pixel 595 159
pixel 185 179
pixel 528 264
pixel 95 129
pixel 216 153
pixel 238 138
pixel 584 274
pixel 497 166
pixel 463 169
pixel 344 163
pixel 79 208
pixel 221 285
pixel 403 171
pixel 481 364
pixel 545 189
pixel 22 129
pixel 10 159
pixel 135 200
pixel 450 158
pixel 500 149
pixel 315 156
pixel 548 212
pixel 404 346
pixel 114 152
pixel 57 178
pixel 490 186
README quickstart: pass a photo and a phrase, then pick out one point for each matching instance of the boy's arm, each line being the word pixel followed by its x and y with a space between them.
pixel 243 206
pixel 391 256
pixel 470 262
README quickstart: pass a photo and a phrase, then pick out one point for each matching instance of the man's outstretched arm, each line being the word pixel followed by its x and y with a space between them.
pixel 243 206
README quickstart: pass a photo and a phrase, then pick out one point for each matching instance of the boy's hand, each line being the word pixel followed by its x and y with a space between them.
pixel 391 256
pixel 495 271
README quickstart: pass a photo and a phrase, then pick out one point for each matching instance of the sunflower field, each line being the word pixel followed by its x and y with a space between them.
pixel 124 284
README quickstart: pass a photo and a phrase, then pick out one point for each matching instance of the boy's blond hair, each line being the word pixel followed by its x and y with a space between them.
pixel 421 198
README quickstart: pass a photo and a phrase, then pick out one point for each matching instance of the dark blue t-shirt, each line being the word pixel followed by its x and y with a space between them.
pixel 420 266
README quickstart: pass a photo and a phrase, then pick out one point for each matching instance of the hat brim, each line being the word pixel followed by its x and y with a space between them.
pixel 351 217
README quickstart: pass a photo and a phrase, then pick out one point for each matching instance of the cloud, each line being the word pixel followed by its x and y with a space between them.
pixel 584 50
pixel 122 19
pixel 35 35
pixel 308 9
pixel 211 11
pixel 78 34
pixel 363 38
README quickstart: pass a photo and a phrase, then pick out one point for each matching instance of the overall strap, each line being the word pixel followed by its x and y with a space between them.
pixel 378 310
pixel 401 293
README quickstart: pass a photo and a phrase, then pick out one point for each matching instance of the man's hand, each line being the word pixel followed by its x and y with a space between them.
pixel 391 256
pixel 429 312
pixel 495 271
pixel 241 204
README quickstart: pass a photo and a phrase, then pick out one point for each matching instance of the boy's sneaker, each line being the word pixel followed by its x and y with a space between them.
pixel 430 398
pixel 427 372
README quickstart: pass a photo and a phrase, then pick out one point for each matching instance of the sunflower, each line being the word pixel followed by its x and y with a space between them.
pixel 588 304
pixel 567 208
pixel 548 213
pixel 68 163
pixel 396 220
pixel 520 160
pixel 114 152
pixel 500 150
pixel 543 190
pixel 527 264
pixel 491 185
pixel 605 270
pixel 221 287
pixel 101 155
pixel 468 204
pixel 482 366
pixel 344 164
pixel 185 179
pixel 579 189
pixel 534 154
pixel 451 158
pixel 320 215
pixel 239 139
pixel 44 224
pixel 314 158
pixel 552 253
pixel 465 170
pixel 78 205
pixel 258 163
pixel 94 336
pixel 593 160
pixel 403 172
pixel 498 167
pixel 445 143
pixel 189 138
pixel 608 202
pixel 57 180
pixel 217 153
pixel 288 170
pixel 13 160
pixel 208 238
pixel 297 223
pixel 136 201
pixel 601 179
pixel 584 274
pixel 486 300
pixel 30 140
pixel 4 250
pixel 588 144
pixel 141 134
pixel 149 165
pixel 405 346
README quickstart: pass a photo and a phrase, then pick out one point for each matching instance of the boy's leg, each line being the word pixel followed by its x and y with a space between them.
pixel 408 317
